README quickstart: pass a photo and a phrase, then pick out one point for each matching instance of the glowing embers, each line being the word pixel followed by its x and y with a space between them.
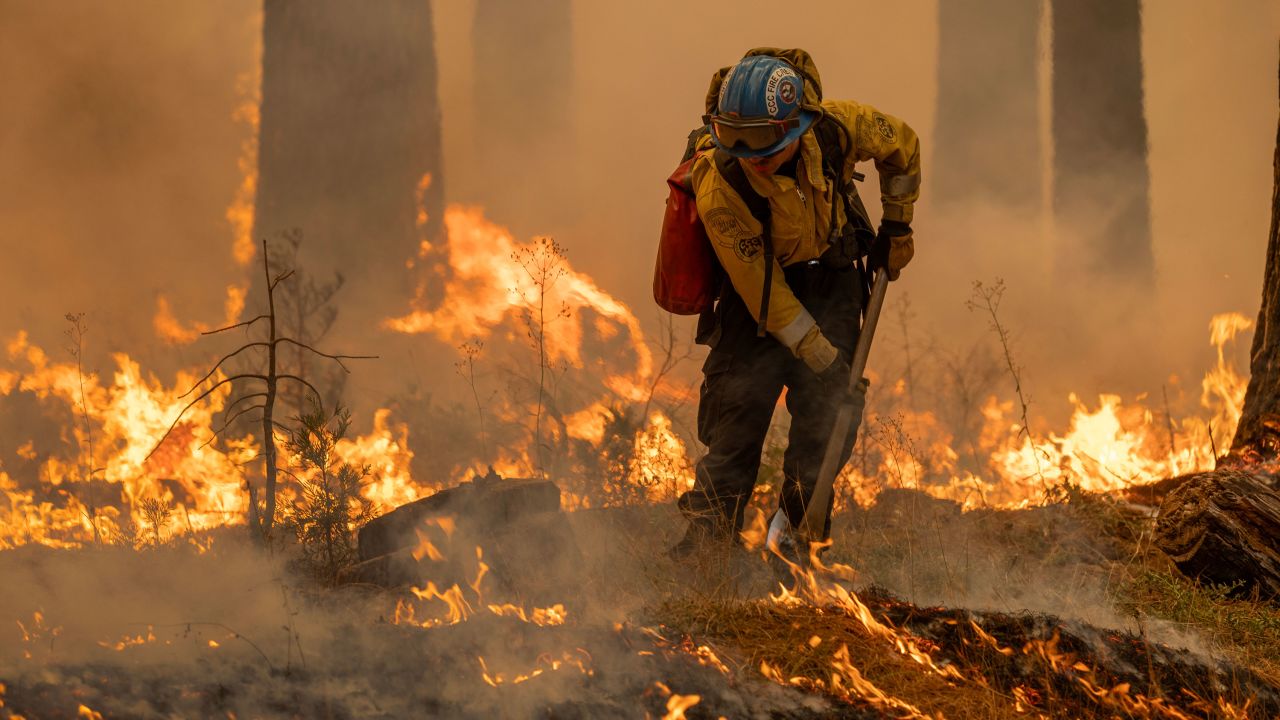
pixel 38 637
pixel 129 641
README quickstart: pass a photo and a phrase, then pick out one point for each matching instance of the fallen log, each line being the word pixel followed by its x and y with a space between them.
pixel 1153 494
pixel 485 503
pixel 1223 527
pixel 514 527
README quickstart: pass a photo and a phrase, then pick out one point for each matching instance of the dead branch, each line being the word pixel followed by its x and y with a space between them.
pixel 246 323
pixel 336 358
pixel 218 364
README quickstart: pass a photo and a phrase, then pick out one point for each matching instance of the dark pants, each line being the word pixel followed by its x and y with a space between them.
pixel 743 377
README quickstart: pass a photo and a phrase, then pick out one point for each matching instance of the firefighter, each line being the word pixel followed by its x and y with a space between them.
pixel 765 115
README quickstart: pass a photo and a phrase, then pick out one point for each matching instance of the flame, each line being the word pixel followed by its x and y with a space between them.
pixel 677 704
pixel 847 680
pixel 457 608
pixel 487 287
pixel 554 615
pixel 1108 445
pixel 129 641
pixel 659 461
pixel 386 451
pixel 37 636
pixel 199 484
pixel 420 201
pixel 578 659
pixel 168 328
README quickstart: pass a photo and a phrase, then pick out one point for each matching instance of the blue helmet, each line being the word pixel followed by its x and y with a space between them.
pixel 758 111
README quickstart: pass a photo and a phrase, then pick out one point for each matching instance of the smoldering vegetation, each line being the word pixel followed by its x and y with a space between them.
pixel 172 631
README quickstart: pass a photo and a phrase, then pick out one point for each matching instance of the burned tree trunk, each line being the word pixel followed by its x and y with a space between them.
pixel 1224 526
pixel 1258 435
pixel 350 129
pixel 988 76
pixel 523 54
pixel 1100 142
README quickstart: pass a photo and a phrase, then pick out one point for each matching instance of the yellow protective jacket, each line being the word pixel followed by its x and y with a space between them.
pixel 802 209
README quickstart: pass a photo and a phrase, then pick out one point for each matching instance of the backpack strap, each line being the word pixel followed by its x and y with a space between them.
pixel 695 138
pixel 835 141
pixel 733 173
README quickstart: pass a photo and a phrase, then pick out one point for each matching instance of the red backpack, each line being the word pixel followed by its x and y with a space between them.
pixel 687 276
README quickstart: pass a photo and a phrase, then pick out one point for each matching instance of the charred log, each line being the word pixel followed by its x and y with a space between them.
pixel 1224 527
pixel 514 527
pixel 484 503
pixel 1152 495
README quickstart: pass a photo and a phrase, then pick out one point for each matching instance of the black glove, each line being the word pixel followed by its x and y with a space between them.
pixel 892 249
pixel 835 381
pixel 835 378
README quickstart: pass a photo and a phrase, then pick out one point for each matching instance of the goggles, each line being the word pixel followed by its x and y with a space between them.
pixel 754 134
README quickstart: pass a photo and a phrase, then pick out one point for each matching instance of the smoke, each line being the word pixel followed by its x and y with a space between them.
pixel 120 161
pixel 121 151
pixel 232 630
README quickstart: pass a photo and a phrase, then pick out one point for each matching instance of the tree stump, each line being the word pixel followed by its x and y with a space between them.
pixel 1224 527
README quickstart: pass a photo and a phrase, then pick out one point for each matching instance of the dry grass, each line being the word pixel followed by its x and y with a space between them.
pixel 1146 586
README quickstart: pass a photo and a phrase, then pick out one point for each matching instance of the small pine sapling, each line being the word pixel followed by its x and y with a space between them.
pixel 330 506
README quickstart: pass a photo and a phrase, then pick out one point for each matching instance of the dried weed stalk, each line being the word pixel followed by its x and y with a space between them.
pixel 987 299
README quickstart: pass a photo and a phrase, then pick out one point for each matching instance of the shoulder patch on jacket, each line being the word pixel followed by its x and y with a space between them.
pixel 885 128
pixel 748 249
pixel 726 224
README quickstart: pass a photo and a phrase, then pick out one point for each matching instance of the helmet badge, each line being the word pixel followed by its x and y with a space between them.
pixel 781 86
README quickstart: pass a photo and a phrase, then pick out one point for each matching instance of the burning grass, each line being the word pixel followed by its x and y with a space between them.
pixel 802 645
pixel 1103 644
